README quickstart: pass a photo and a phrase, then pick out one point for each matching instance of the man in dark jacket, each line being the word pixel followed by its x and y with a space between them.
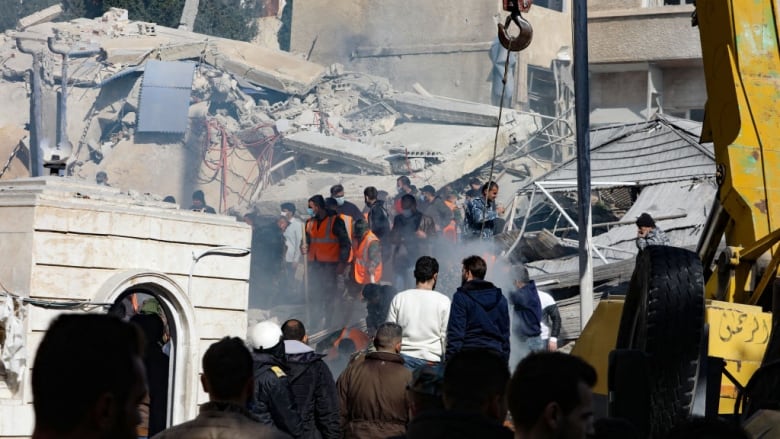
pixel 312 384
pixel 526 317
pixel 436 208
pixel 273 402
pixel 344 207
pixel 412 237
pixel 474 388
pixel 479 315
pixel 379 223
pixel 372 390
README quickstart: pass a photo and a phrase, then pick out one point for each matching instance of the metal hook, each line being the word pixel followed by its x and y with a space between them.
pixel 522 39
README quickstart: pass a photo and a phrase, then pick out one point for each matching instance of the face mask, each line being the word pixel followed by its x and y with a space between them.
pixel 400 190
pixel 340 201
pixel 284 214
pixel 406 212
pixel 422 198
pixel 310 211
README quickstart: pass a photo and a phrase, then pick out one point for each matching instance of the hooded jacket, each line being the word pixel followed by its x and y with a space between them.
pixel 273 402
pixel 314 390
pixel 527 308
pixel 379 220
pixel 479 319
pixel 455 424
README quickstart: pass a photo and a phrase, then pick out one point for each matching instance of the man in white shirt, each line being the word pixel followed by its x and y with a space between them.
pixel 423 314
pixel 293 237
pixel 551 321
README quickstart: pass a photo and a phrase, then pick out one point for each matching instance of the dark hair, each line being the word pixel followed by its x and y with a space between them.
pixel 346 347
pixel 336 188
pixel 371 193
pixel 288 206
pixel 169 199
pixel 81 357
pixel 475 181
pixel 404 180
pixel 371 291
pixel 472 377
pixel 476 266
pixel 318 201
pixel 227 365
pixel 198 195
pixel 545 377
pixel 409 200
pixel 425 268
pixel 488 186
pixel 521 274
pixel 428 189
pixel 387 335
pixel 152 326
pixel 293 329
pixel 702 428
pixel 331 202
pixel 645 220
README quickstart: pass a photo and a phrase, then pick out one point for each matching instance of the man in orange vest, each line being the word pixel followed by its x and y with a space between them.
pixel 368 256
pixel 327 250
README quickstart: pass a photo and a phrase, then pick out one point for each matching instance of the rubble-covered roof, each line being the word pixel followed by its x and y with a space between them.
pixel 661 150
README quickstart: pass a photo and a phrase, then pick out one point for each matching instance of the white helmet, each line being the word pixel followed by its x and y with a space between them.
pixel 265 335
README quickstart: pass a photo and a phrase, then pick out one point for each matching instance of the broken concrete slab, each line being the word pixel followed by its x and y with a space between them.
pixel 448 110
pixel 359 155
pixel 41 16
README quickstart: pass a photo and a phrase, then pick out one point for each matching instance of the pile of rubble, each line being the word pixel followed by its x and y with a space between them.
pixel 167 111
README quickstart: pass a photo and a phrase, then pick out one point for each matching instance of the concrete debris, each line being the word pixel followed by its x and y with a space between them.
pixel 41 16
pixel 256 117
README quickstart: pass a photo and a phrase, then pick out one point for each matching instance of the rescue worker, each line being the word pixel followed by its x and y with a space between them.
pixel 404 186
pixel 199 203
pixel 327 249
pixel 273 402
pixel 367 256
pixel 378 221
pixel 411 238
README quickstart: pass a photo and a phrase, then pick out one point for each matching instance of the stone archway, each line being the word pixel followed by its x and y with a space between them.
pixel 183 388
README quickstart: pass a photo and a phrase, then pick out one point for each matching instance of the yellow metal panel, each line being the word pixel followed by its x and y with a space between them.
pixel 739 334
pixel 598 339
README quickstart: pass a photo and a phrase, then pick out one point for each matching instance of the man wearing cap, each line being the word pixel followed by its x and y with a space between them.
pixel 273 402
pixel 436 208
pixel 648 234
pixel 344 207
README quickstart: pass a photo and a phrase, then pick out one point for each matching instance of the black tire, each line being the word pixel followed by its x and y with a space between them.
pixel 663 316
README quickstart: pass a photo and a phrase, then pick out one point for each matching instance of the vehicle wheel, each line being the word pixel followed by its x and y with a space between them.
pixel 663 316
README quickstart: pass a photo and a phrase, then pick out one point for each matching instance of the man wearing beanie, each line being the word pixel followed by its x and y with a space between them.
pixel 647 232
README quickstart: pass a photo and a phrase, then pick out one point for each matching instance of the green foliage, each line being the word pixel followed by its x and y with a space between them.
pixel 227 19
pixel 12 10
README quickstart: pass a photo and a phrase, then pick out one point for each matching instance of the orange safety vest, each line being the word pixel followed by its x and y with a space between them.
pixel 450 231
pixel 324 245
pixel 362 272
pixel 348 224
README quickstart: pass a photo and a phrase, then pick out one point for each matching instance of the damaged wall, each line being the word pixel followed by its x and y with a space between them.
pixel 442 46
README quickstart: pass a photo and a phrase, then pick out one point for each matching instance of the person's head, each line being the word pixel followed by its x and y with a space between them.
pixel 153 327
pixel 408 205
pixel 337 192
pixel 388 337
pixel 169 199
pixel 550 394
pixel 288 210
pixel 360 229
pixel 426 271
pixel 490 190
pixel 645 223
pixel 475 380
pixel 428 192
pixel 346 348
pixel 198 199
pixel 475 184
pixel 521 276
pixel 702 428
pixel 265 336
pixel 88 377
pixel 331 204
pixel 370 195
pixel 474 267
pixel 372 293
pixel 317 206
pixel 101 177
pixel 227 371
pixel 403 184
pixel 283 223
pixel 425 390
pixel 293 329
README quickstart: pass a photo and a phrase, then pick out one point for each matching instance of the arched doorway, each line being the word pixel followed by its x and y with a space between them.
pixel 178 311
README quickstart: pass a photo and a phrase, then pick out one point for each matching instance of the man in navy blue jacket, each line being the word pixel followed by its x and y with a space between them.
pixel 526 317
pixel 479 314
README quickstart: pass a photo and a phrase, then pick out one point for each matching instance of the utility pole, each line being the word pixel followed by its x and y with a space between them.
pixel 582 112
pixel 188 15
